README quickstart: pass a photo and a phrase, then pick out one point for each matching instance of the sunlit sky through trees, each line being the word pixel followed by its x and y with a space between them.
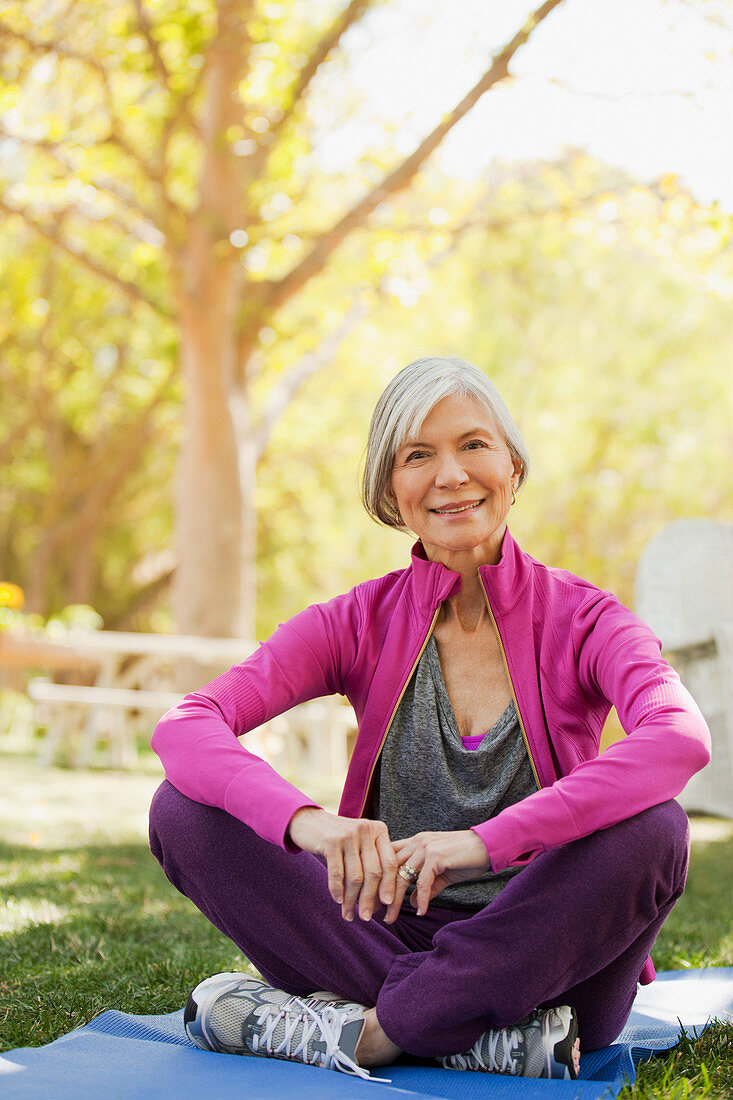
pixel 644 84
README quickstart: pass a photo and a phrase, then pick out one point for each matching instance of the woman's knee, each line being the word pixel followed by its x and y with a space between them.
pixel 182 830
pixel 169 815
pixel 663 835
pixel 189 833
pixel 655 850
pixel 668 821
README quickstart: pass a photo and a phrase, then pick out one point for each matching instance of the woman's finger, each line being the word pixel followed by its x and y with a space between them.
pixel 414 856
pixel 389 865
pixel 393 909
pixel 372 875
pixel 402 847
pixel 423 887
pixel 335 865
pixel 406 855
pixel 411 850
pixel 353 879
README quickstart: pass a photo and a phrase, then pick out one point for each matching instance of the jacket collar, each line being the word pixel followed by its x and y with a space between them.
pixel 504 582
pixel 432 581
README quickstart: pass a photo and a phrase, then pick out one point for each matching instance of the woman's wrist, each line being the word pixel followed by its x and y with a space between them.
pixel 298 829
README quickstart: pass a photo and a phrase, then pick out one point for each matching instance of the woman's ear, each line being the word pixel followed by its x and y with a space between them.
pixel 391 500
pixel 389 494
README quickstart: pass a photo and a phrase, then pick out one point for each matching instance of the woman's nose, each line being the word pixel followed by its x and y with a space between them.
pixel 450 472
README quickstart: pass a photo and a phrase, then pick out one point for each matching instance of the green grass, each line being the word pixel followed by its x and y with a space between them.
pixel 88 921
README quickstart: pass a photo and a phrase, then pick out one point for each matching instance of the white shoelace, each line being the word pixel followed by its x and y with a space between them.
pixel 508 1064
pixel 327 1021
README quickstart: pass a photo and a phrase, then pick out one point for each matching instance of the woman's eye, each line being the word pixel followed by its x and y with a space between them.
pixel 413 455
pixel 475 444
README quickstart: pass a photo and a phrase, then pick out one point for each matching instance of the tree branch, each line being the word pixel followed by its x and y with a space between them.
pixel 479 220
pixel 183 109
pixel 139 601
pixel 402 176
pixel 180 107
pixel 102 476
pixel 351 15
pixel 120 455
pixel 63 51
pixel 130 289
pixel 106 184
pixel 50 47
pixel 18 433
pixel 117 136
pixel 330 40
pixel 291 383
pixel 143 22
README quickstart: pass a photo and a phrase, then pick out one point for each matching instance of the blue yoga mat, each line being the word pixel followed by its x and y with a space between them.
pixel 121 1057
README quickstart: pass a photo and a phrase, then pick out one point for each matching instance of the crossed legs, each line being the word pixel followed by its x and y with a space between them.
pixel 574 927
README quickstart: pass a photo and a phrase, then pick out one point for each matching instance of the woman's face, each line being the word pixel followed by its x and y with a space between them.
pixel 452 481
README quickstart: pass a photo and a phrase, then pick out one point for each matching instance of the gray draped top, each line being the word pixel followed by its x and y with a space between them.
pixel 432 778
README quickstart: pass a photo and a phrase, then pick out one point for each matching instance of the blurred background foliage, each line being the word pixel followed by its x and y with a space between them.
pixel 602 306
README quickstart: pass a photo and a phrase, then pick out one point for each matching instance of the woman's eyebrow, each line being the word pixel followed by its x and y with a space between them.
pixel 411 443
pixel 479 430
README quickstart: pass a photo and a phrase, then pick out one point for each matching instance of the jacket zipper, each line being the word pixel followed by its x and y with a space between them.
pixel 391 719
pixel 511 685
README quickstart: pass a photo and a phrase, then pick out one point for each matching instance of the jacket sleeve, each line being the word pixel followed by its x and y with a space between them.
pixel 616 659
pixel 197 741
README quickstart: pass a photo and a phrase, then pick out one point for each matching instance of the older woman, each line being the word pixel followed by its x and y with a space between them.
pixel 491 886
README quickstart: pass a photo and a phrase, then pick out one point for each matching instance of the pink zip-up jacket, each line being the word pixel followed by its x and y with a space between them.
pixel 572 651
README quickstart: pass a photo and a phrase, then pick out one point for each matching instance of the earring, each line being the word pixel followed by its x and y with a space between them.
pixel 514 493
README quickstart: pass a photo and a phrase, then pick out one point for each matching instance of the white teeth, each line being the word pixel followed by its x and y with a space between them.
pixel 455 511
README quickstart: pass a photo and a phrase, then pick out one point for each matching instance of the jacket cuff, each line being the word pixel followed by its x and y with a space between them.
pixel 266 808
pixel 521 832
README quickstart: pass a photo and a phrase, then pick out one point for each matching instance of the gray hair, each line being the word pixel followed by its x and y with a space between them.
pixel 404 406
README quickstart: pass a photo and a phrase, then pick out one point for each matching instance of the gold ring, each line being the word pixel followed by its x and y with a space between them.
pixel 408 873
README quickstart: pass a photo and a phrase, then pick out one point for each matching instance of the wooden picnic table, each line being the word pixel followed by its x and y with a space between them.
pixel 77 647
pixel 132 678
pixel 126 674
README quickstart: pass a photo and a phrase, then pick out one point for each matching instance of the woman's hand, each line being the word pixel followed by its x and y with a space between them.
pixel 362 865
pixel 441 859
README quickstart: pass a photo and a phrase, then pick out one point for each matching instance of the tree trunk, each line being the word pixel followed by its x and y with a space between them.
pixel 207 582
pixel 80 585
pixel 248 459
pixel 207 590
pixel 37 582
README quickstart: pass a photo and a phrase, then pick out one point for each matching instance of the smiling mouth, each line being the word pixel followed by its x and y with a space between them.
pixel 454 510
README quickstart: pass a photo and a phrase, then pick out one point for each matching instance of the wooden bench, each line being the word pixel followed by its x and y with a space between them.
pixel 120 676
pixel 132 675
pixel 90 714
pixel 312 739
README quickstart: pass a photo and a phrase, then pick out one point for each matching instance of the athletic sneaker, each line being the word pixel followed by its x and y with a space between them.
pixel 350 1010
pixel 544 1045
pixel 237 1014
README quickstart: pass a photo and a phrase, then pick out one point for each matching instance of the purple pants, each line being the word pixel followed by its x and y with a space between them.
pixel 573 927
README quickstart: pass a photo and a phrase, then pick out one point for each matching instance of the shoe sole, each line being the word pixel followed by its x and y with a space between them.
pixel 560 1062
